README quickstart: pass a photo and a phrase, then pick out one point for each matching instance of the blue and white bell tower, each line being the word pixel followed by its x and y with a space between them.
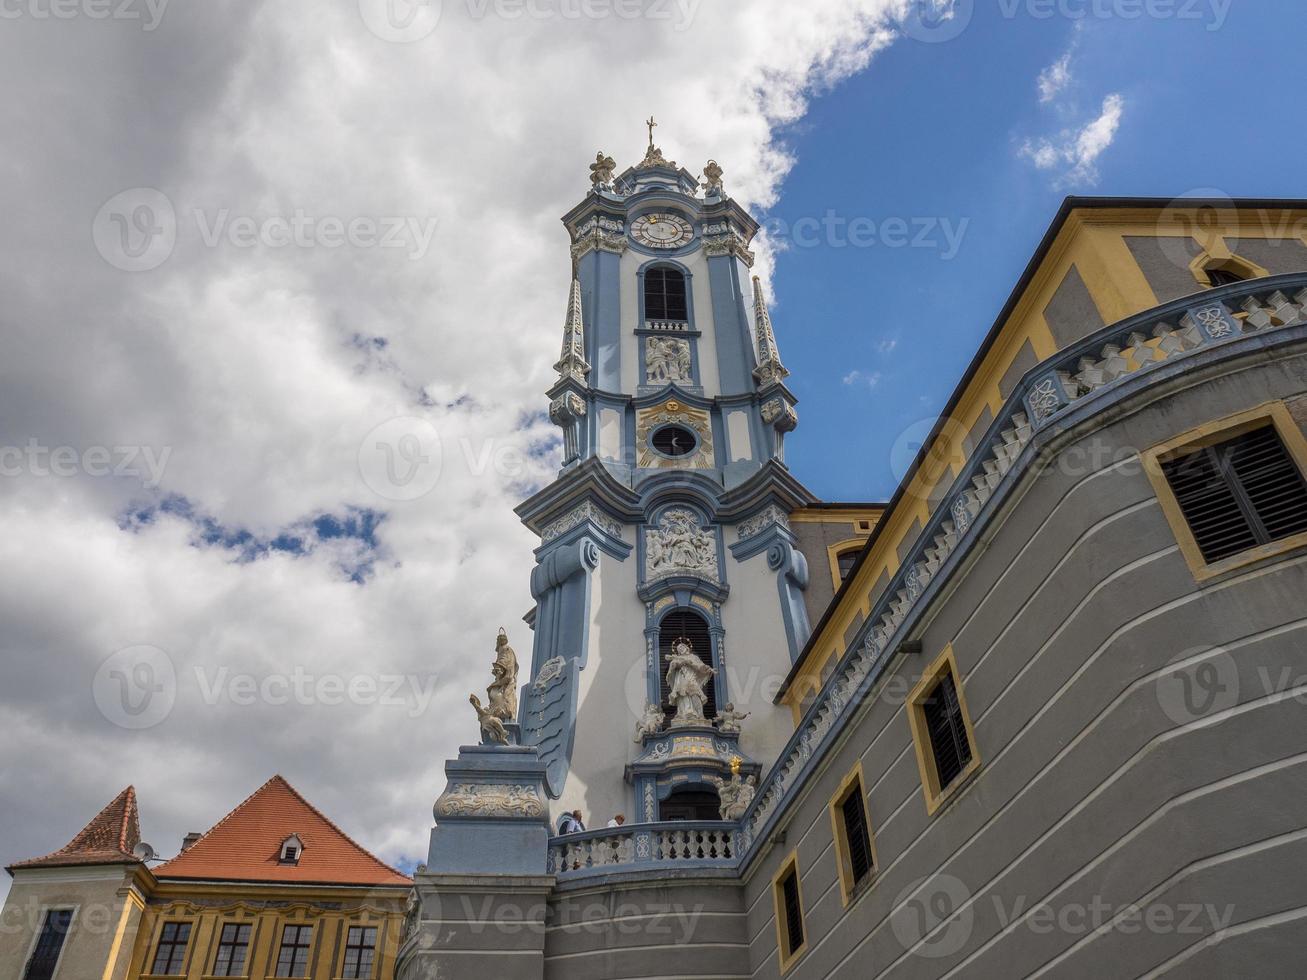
pixel 669 519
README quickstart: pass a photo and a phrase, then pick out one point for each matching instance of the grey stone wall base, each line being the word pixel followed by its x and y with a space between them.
pixel 481 926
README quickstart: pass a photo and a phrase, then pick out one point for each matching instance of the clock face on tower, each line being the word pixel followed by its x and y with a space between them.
pixel 662 230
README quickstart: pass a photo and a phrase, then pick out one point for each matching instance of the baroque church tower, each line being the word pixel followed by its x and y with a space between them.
pixel 667 529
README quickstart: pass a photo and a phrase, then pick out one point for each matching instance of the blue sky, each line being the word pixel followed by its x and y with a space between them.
pixel 936 130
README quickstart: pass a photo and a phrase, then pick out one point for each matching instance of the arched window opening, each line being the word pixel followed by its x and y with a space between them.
pixel 692 626
pixel 846 561
pixel 691 803
pixel 664 295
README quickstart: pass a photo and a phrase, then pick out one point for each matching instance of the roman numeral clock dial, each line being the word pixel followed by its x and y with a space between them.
pixel 662 231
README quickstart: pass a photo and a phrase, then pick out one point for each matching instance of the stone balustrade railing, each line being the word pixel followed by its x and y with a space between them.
pixel 645 847
pixel 1047 393
pixel 679 326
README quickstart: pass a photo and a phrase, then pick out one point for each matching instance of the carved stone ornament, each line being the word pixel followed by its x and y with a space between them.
pixel 765 518
pixel 572 365
pixel 566 408
pixel 550 671
pixel 667 359
pixel 472 800
pixel 679 546
pixel 574 518
pixel 673 412
pixel 770 370
pixel 728 244
pixel 1045 399
pixel 595 235
pixel 779 415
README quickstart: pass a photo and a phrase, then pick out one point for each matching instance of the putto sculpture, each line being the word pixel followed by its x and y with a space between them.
pixel 650 723
pixel 687 676
pixel 502 692
pixel 728 719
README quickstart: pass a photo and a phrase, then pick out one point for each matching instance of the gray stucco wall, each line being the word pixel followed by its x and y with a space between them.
pixel 1101 788
pixel 672 928
pixel 813 540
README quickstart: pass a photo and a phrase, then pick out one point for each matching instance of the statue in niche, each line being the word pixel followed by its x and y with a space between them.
pixel 667 359
pixel 736 793
pixel 492 729
pixel 650 723
pixel 728 719
pixel 687 676
pixel 502 692
pixel 601 171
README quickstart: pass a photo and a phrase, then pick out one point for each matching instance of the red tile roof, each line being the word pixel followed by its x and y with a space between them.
pixel 108 839
pixel 245 845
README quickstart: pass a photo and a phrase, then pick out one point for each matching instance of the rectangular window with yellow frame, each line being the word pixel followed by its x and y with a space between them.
pixel 855 847
pixel 1234 490
pixel 941 731
pixel 787 894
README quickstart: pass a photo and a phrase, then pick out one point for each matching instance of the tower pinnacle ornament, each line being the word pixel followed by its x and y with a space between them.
pixel 572 365
pixel 770 371
pixel 653 157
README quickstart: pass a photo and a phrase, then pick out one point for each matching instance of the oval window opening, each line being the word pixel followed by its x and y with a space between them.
pixel 674 440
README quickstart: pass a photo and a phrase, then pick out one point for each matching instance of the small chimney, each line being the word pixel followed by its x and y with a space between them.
pixel 190 839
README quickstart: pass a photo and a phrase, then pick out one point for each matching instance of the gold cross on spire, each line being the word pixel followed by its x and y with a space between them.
pixel 651 124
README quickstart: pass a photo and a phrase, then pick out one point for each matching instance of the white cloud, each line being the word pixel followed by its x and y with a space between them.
pixel 870 379
pixel 1055 78
pixel 1076 151
pixel 262 368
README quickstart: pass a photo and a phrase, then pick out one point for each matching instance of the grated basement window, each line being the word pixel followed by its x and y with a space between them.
pixel 1239 494
pixel 948 733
